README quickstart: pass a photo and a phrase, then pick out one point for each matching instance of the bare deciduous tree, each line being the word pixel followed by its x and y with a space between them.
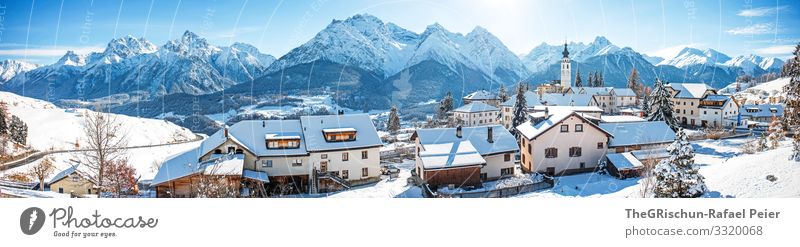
pixel 105 142
pixel 42 170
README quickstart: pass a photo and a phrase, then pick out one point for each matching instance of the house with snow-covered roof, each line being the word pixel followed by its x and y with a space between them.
pixel 507 108
pixel 563 99
pixel 464 156
pixel 635 143
pixel 561 142
pixel 312 154
pixel 763 113
pixel 481 96
pixel 74 181
pixel 610 99
pixel 686 101
pixel 718 110
pixel 476 114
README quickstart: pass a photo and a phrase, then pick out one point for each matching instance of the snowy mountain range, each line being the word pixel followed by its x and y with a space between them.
pixel 368 62
pixel 131 65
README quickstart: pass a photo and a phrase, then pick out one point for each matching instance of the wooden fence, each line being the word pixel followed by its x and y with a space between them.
pixel 498 193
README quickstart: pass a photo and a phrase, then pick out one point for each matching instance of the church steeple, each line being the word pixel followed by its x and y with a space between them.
pixel 565 53
pixel 566 68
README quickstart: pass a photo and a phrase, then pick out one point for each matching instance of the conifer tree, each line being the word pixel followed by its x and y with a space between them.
pixel 646 105
pixel 661 106
pixel 3 118
pixel 18 130
pixel 676 176
pixel 792 112
pixel 776 133
pixel 578 80
pixel 502 95
pixel 393 124
pixel 445 106
pixel 519 110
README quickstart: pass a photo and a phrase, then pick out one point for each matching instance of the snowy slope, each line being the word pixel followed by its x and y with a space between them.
pixel 56 128
pixel 693 56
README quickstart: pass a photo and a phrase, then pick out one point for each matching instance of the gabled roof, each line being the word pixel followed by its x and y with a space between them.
pixel 530 131
pixel 624 92
pixel 623 161
pixel 764 110
pixel 531 100
pixel 690 90
pixel 620 119
pixel 252 134
pixel 476 106
pixel 186 164
pixel 63 174
pixel 581 109
pixel 481 95
pixel 718 98
pixel 504 141
pixel 558 99
pixel 315 140
pixel 638 133
pixel 450 155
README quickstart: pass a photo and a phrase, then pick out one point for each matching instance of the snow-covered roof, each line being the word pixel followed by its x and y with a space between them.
pixel 256 175
pixel 764 110
pixel 481 95
pixel 559 99
pixel 218 138
pixel 281 137
pixel 338 130
pixel 476 106
pixel 624 161
pixel 229 165
pixel 315 141
pixel 717 98
pixel 531 131
pixel 595 90
pixel 64 173
pixel 503 141
pixel 631 110
pixel 624 92
pixel 690 90
pixel 638 133
pixel 621 119
pixel 186 164
pixel 252 134
pixel 580 109
pixel 531 100
pixel 450 154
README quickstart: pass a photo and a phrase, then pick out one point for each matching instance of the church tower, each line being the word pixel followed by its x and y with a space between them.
pixel 566 78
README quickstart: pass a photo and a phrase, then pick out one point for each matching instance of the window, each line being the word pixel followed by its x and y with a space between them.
pixel 61 190
pixel 507 171
pixel 266 163
pixel 551 153
pixel 364 172
pixel 564 128
pixel 75 178
pixel 297 162
pixel 579 128
pixel 483 176
pixel 89 191
pixel 345 174
pixel 323 156
pixel 583 165
pixel 507 157
pixel 529 149
pixel 599 145
pixel 345 156
pixel 364 154
pixel 575 152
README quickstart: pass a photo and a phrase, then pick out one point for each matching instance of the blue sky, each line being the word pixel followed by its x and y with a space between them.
pixel 41 31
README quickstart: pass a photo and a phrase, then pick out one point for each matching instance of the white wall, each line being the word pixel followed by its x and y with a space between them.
pixel 477 118
pixel 353 164
pixel 587 140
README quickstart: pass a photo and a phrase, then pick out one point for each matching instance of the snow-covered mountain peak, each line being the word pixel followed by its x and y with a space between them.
pixel 10 68
pixel 190 44
pixel 72 59
pixel 128 46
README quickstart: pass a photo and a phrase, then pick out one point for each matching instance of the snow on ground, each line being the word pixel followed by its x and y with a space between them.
pixel 761 92
pixel 727 172
pixel 31 193
pixel 386 188
pixel 53 127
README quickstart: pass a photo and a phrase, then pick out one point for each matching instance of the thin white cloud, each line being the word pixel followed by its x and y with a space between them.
pixel 755 29
pixel 49 52
pixel 778 50
pixel 763 11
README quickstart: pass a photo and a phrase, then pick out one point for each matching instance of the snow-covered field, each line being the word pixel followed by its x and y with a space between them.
pixel 760 93
pixel 306 104
pixel 727 172
pixel 50 127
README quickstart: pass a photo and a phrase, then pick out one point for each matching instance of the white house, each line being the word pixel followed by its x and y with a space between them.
pixel 464 155
pixel 561 142
pixel 686 101
pixel 315 153
pixel 635 144
pixel 477 114
pixel 718 111
pixel 507 108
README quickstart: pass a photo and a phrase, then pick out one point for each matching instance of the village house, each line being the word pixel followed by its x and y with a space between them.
pixel 476 114
pixel 72 181
pixel 561 142
pixel 686 101
pixel 718 111
pixel 310 155
pixel 464 156
pixel 610 99
pixel 507 108
pixel 563 99
pixel 763 113
pixel 624 98
pixel 636 144
pixel 631 111
pixel 484 96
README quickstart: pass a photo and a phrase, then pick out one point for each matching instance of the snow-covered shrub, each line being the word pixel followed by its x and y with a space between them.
pixel 676 176
pixel 776 133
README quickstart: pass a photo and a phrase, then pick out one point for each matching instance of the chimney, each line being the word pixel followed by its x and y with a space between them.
pixel 226 131
pixel 546 113
pixel 458 131
pixel 490 136
pixel 263 124
pixel 341 112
